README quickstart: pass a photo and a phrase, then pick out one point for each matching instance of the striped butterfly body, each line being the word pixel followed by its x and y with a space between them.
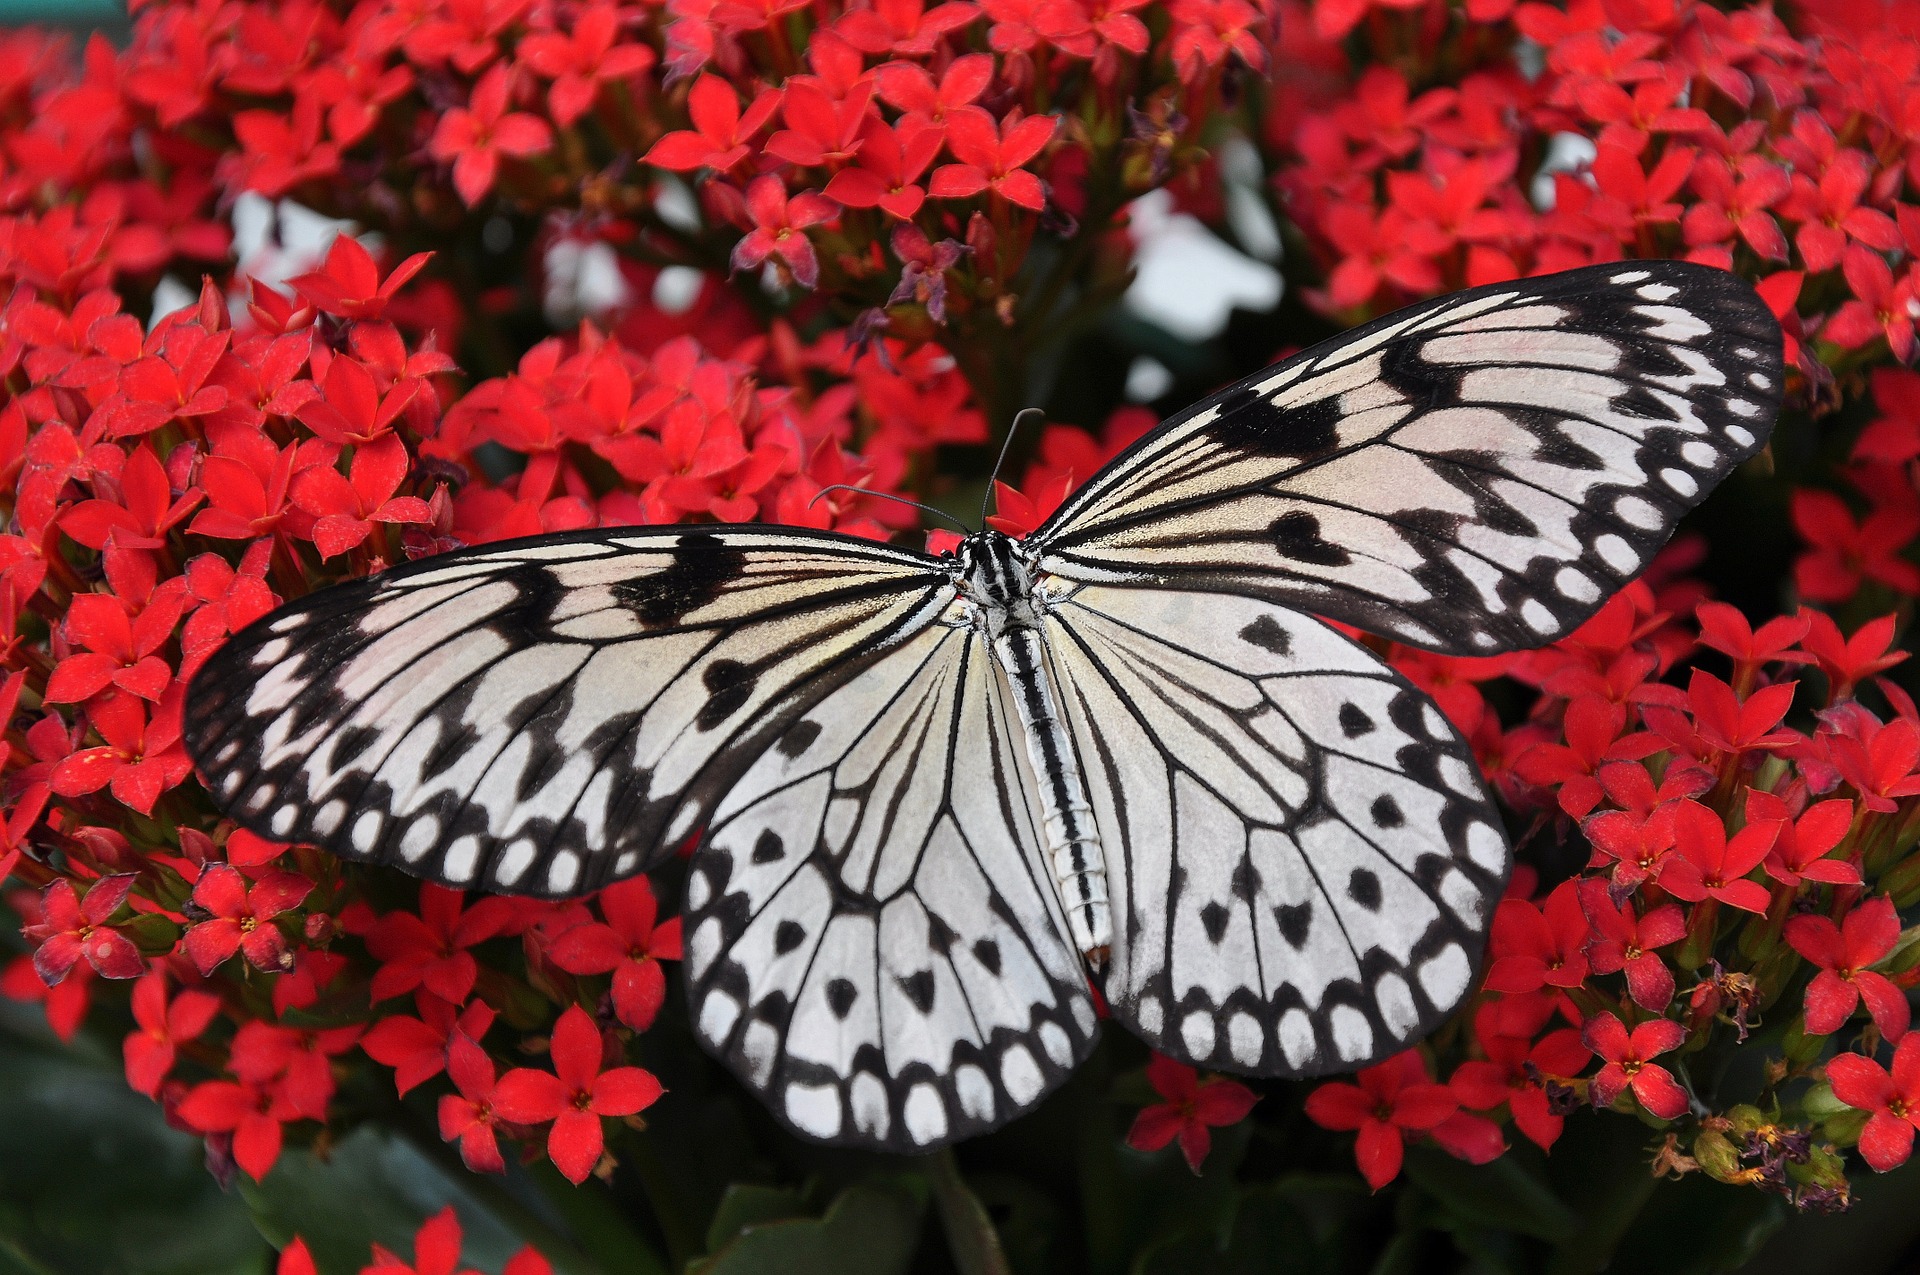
pixel 936 794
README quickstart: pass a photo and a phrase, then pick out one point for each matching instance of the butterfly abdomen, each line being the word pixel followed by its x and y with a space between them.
pixel 1002 591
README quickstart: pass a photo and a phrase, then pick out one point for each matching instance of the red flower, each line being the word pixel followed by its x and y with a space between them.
pixel 475 137
pixel 348 282
pixel 144 511
pixel 429 949
pixel 1386 1102
pixel 630 945
pixel 468 1115
pixel 778 226
pixel 1799 851
pixel 580 62
pixel 1894 1100
pixel 1882 306
pixel 891 162
pixel 991 159
pixel 240 918
pixel 576 1097
pixel 252 1111
pixel 1844 552
pixel 1848 661
pixel 436 1250
pixel 72 927
pixel 719 137
pixel 1192 1107
pixel 119 647
pixel 1539 947
pixel 1518 1071
pixel 822 131
pixel 1843 953
pixel 1626 1054
pixel 1593 729
pixel 1731 203
pixel 1881 766
pixel 140 759
pixel 1626 941
pixel 416 1048
pixel 163 1025
pixel 350 408
pixel 1709 864
pixel 346 507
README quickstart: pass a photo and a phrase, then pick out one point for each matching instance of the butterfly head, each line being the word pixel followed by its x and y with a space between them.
pixel 994 575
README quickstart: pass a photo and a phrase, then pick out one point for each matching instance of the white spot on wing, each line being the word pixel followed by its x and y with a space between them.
pixel 925 1114
pixel 1445 977
pixel 1352 1033
pixel 1020 1074
pixel 814 1109
pixel 1196 1033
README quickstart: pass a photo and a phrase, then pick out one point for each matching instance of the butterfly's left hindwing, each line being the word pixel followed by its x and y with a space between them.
pixel 873 940
pixel 1302 861
pixel 546 716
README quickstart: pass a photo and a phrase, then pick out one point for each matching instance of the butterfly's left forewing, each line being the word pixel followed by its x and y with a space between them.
pixel 873 941
pixel 545 716
pixel 1301 859
pixel 1473 474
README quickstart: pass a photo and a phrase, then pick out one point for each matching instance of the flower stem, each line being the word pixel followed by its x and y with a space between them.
pixel 971 1239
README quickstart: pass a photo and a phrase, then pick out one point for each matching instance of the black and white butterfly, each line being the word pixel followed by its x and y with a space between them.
pixel 937 793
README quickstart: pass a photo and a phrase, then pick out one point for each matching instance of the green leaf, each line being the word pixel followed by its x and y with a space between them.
pixel 1500 1196
pixel 746 1205
pixel 971 1239
pixel 376 1187
pixel 93 1181
pixel 869 1229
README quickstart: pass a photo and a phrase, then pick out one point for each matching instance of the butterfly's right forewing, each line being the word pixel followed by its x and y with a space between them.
pixel 546 716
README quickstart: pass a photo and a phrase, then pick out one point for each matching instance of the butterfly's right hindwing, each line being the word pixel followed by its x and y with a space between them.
pixel 873 940
pixel 546 716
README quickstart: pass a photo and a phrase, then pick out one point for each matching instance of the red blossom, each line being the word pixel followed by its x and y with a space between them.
pixel 1708 864
pixel 1845 552
pixel 348 282
pixel 1624 940
pixel 468 1115
pixel 779 223
pixel 1865 935
pixel 1539 947
pixel 1893 1098
pixel 718 139
pixel 1803 843
pixel 1386 1103
pixel 240 917
pixel 1626 1058
pixel 629 945
pixel 475 137
pixel 73 927
pixel 1191 1109
pixel 428 948
pixel 575 1095
pixel 991 157
pixel 162 1026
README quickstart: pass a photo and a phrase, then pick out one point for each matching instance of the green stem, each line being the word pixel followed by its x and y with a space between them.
pixel 971 1239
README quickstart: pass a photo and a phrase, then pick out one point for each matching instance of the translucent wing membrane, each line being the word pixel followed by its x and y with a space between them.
pixel 873 940
pixel 545 716
pixel 1470 475
pixel 1303 862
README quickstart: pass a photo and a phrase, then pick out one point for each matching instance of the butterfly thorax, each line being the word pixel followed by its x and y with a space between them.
pixel 1009 610
pixel 997 582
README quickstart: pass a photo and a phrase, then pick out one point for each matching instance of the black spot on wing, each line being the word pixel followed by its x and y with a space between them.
pixel 1354 721
pixel 1250 423
pixel 1213 918
pixel 987 952
pixel 1297 536
pixel 798 738
pixel 769 848
pixel 787 936
pixel 701 566
pixel 1266 634
pixel 729 686
pixel 1363 887
pixel 1295 920
pixel 919 989
pixel 841 993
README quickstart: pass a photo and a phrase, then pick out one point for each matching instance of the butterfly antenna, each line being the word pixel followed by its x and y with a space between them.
pixel 887 495
pixel 1018 418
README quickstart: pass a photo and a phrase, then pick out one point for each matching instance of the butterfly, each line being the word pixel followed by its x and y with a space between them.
pixel 935 794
